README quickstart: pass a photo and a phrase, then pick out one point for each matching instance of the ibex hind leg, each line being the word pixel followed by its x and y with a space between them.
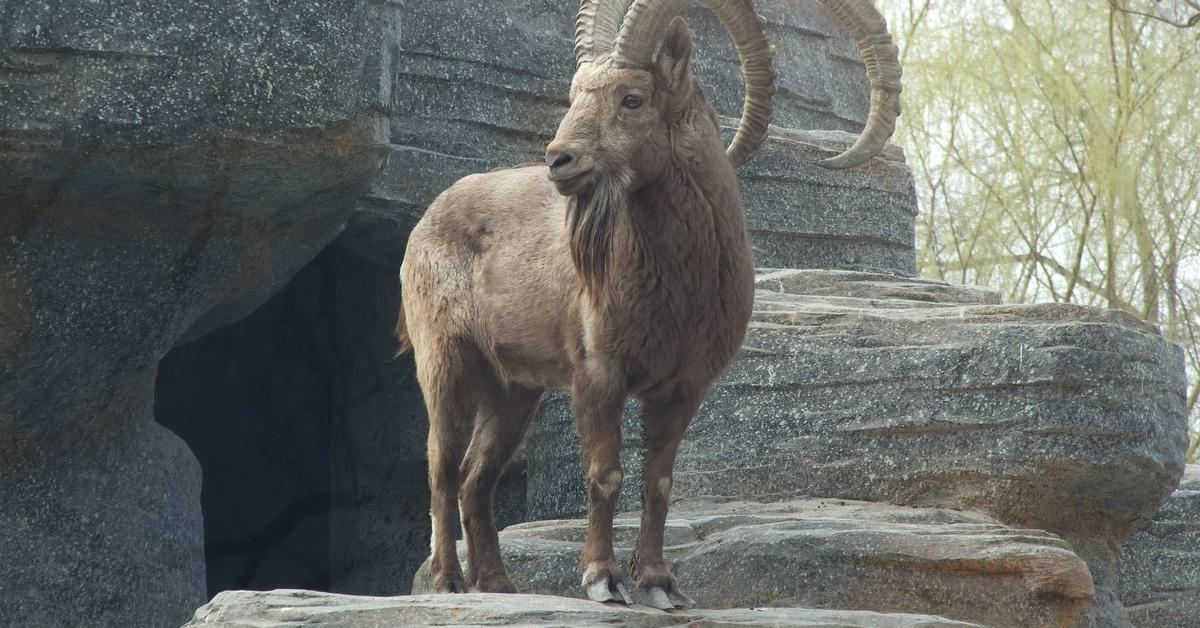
pixel 502 420
pixel 447 372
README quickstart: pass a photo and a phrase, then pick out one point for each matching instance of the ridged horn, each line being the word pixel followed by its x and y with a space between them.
pixel 645 23
pixel 758 69
pixel 882 59
pixel 596 28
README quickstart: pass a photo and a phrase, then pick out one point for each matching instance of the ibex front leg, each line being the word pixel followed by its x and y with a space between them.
pixel 596 406
pixel 664 422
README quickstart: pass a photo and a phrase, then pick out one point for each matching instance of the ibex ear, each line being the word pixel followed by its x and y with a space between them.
pixel 674 62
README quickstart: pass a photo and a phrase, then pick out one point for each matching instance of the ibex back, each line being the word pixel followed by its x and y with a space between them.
pixel 621 267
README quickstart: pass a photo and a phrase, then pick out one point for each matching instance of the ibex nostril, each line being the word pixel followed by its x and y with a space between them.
pixel 558 160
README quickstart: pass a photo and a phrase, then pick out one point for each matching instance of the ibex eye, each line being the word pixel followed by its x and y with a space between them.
pixel 631 102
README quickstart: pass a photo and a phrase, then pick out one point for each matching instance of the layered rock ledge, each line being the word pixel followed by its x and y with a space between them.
pixel 873 387
pixel 832 554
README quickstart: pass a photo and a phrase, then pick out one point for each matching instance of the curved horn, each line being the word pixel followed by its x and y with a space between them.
pixel 758 68
pixel 644 26
pixel 596 27
pixel 648 20
pixel 882 59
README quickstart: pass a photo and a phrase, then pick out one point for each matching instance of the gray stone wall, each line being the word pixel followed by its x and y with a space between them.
pixel 166 167
pixel 169 168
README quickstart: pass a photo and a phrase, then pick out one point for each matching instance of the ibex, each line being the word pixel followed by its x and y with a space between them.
pixel 620 267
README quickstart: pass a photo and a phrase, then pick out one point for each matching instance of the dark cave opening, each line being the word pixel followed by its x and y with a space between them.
pixel 310 435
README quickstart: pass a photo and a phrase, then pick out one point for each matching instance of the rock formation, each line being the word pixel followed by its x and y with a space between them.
pixel 870 385
pixel 1059 418
pixel 890 389
pixel 834 554
pixel 166 167
pixel 166 170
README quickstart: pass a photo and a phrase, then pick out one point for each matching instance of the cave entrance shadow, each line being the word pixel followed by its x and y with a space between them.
pixel 310 436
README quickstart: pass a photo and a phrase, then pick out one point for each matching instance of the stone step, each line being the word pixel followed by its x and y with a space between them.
pixel 288 608
pixel 832 554
pixel 879 290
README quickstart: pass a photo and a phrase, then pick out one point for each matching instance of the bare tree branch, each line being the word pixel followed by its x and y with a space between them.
pixel 1161 15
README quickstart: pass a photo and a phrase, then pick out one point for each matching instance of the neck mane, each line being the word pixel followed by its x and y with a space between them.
pixel 684 223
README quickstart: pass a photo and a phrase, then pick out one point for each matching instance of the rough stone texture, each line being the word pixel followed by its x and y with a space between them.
pixel 281 609
pixel 167 166
pixel 102 536
pixel 833 555
pixel 1160 566
pixel 1054 417
pixel 801 215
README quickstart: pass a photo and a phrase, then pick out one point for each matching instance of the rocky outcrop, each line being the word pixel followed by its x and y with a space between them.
pixel 832 554
pixel 1052 417
pixel 1160 566
pixel 166 168
pixel 280 609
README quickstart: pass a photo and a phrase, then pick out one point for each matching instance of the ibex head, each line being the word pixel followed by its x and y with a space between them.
pixel 619 117
pixel 625 99
pixel 631 108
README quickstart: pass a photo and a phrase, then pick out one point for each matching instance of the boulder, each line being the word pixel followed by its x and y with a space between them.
pixel 282 608
pixel 166 167
pixel 1160 566
pixel 1054 417
pixel 832 554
